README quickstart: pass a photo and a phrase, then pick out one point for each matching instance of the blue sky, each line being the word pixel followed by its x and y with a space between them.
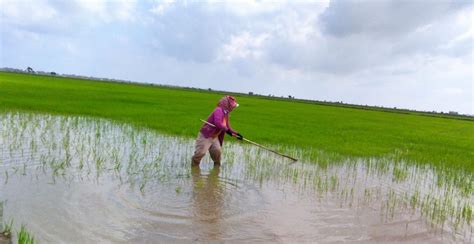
pixel 410 54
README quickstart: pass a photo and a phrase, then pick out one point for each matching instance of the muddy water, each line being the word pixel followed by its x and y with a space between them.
pixel 82 180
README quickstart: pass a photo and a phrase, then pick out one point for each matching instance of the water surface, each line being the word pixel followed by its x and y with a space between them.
pixel 84 180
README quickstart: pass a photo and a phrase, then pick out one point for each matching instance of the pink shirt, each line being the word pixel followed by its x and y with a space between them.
pixel 220 118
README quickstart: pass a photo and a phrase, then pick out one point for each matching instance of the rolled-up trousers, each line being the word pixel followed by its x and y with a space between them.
pixel 203 145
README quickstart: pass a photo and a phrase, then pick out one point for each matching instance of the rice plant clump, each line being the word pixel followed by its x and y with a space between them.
pixel 24 237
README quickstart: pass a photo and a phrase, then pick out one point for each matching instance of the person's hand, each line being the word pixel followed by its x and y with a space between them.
pixel 228 132
pixel 239 136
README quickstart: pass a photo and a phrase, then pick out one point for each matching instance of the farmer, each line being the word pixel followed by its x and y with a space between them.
pixel 210 138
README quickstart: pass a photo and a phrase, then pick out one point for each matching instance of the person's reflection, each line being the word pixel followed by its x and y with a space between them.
pixel 208 203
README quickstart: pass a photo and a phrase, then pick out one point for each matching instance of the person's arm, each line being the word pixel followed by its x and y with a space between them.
pixel 219 116
pixel 219 119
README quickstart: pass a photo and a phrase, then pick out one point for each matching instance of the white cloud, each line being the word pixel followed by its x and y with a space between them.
pixel 247 7
pixel 242 46
pixel 385 18
pixel 125 10
pixel 59 16
pixel 97 7
pixel 380 52
pixel 108 11
pixel 23 13
pixel 161 6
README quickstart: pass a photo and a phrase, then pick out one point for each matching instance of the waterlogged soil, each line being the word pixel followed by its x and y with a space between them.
pixel 83 180
pixel 4 239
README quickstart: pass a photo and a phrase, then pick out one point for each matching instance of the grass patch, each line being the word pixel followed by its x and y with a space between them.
pixel 24 237
pixel 315 128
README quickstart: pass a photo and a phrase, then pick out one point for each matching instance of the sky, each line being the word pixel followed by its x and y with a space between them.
pixel 406 54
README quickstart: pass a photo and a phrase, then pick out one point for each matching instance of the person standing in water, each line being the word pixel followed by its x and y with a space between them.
pixel 211 138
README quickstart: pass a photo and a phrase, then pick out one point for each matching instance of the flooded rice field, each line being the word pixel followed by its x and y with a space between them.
pixel 85 180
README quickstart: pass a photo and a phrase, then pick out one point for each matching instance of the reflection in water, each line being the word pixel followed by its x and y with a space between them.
pixel 1 217
pixel 208 201
pixel 117 183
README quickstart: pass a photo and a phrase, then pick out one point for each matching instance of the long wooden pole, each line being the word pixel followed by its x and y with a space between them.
pixel 256 144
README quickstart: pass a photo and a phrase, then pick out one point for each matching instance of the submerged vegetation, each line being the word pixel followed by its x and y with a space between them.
pixel 319 132
pixel 6 229
pixel 72 149
pixel 22 235
pixel 407 167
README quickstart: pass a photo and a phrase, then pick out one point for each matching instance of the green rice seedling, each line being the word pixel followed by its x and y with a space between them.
pixel 395 185
pixel 466 213
pixel 24 237
pixel 342 131
pixel 399 174
pixel 142 186
pixel 333 182
pixel 414 200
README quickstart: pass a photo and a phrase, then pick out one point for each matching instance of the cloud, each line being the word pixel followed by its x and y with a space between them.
pixel 347 38
pixel 247 8
pixel 242 46
pixel 37 16
pixel 188 32
pixel 392 53
pixel 106 10
pixel 386 18
pixel 160 7
pixel 61 17
pixel 24 13
pixel 205 31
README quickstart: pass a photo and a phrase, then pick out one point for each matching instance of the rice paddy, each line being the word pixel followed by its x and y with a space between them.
pixel 321 131
pixel 117 182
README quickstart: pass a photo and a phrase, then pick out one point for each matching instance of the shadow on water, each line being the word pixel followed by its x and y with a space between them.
pixel 118 183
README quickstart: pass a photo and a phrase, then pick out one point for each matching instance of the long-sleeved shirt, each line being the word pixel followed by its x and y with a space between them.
pixel 220 118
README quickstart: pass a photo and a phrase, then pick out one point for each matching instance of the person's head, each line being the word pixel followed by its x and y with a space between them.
pixel 228 103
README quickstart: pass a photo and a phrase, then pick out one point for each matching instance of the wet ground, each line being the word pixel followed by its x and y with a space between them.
pixel 82 180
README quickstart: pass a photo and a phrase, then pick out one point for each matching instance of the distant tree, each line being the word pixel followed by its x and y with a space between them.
pixel 53 73
pixel 30 70
pixel 250 93
pixel 209 89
